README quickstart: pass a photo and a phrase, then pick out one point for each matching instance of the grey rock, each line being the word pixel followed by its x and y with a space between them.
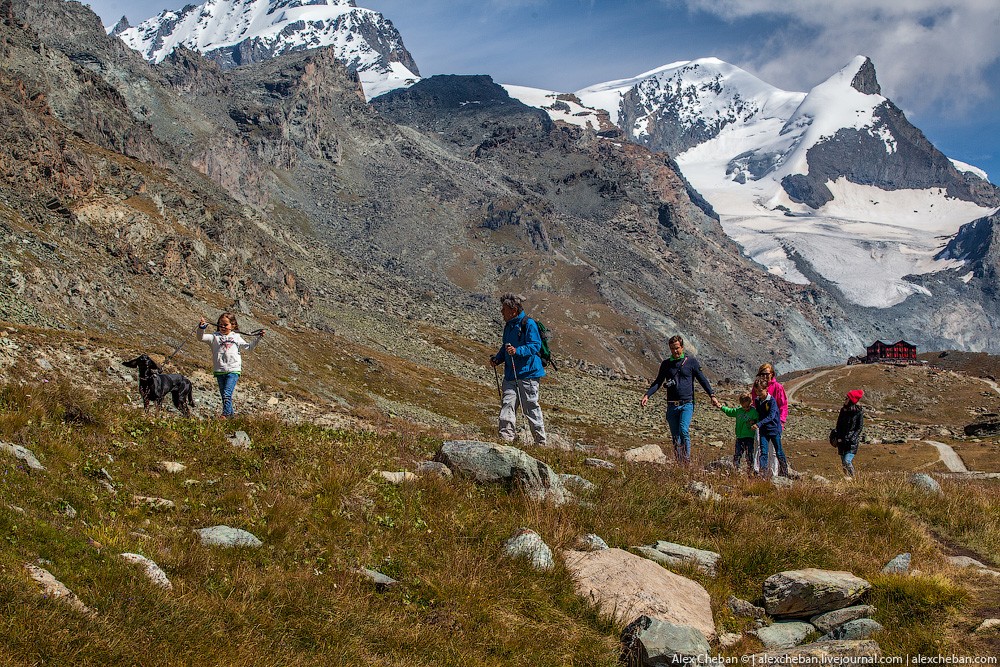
pixel 965 561
pixel 150 569
pixel 526 543
pixel 599 463
pixel 784 635
pixel 43 363
pixel 170 467
pixel 861 628
pixel 729 639
pixel 22 454
pixel 898 565
pixel 782 482
pixel 380 580
pixel 810 591
pixel 433 468
pixel 53 588
pixel 488 463
pixel 646 454
pixel 819 479
pixel 156 504
pixel 226 536
pixel 577 482
pixel 590 542
pixel 397 477
pixel 67 510
pixel 827 622
pixel 724 464
pixel 669 553
pixel 925 482
pixel 239 440
pixel 988 626
pixel 703 491
pixel 817 651
pixel 651 642
pixel 744 609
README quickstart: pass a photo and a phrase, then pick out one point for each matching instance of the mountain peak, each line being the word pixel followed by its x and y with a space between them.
pixel 864 80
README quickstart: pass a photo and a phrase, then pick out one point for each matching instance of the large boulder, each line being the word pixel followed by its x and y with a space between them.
pixel 650 642
pixel 22 454
pixel 228 537
pixel 861 628
pixel 834 619
pixel 625 586
pixel 926 483
pixel 808 592
pixel 489 463
pixel 669 553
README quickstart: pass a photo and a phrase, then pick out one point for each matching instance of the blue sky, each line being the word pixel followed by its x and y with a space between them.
pixel 939 60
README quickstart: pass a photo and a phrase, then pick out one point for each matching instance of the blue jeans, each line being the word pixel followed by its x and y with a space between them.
pixel 779 454
pixel 679 421
pixel 845 460
pixel 227 386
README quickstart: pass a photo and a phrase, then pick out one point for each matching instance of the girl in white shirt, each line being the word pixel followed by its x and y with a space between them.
pixel 227 362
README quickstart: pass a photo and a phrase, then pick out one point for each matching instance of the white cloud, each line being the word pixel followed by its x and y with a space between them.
pixel 926 52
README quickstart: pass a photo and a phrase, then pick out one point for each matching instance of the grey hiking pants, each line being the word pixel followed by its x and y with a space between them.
pixel 525 392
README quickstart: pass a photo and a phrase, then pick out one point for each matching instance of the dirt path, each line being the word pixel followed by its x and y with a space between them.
pixel 949 457
pixel 796 384
pixel 991 383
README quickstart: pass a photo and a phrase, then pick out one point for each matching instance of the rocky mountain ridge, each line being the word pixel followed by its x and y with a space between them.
pixel 241 32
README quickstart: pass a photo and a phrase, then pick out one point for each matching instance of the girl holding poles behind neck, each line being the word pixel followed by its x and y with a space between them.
pixel 227 361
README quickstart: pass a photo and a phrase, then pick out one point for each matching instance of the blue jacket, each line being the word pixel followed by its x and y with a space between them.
pixel 529 364
pixel 768 417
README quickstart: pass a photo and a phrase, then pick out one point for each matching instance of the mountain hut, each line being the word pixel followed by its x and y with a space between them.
pixel 898 351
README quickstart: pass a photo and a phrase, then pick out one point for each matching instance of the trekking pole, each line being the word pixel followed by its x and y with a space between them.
pixel 496 374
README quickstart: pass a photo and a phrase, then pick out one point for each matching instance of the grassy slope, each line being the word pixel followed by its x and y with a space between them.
pixel 309 495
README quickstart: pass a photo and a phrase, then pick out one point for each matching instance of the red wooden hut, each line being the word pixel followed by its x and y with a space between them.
pixel 900 350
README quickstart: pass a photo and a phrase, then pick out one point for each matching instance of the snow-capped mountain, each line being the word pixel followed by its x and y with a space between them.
pixel 237 32
pixel 834 184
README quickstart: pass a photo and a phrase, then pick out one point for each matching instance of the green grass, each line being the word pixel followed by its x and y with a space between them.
pixel 310 495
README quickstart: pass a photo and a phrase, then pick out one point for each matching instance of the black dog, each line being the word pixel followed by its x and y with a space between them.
pixel 154 385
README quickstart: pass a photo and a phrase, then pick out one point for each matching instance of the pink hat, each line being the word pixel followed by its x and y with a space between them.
pixel 855 395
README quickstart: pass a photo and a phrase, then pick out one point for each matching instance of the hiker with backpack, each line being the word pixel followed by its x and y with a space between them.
pixel 519 354
pixel 677 374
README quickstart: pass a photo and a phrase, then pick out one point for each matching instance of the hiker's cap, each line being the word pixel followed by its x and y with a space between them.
pixel 855 395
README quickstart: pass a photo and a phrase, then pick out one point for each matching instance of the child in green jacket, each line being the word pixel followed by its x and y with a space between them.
pixel 746 417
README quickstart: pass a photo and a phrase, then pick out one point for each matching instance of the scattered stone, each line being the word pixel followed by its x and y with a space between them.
pixel 983 428
pixel 239 440
pixel 819 479
pixel 832 619
pixel 599 463
pixel 397 477
pixel 226 536
pixel 817 651
pixel 170 467
pixel 729 639
pixel 861 628
pixel 381 581
pixel 43 363
pixel 725 464
pixel 433 468
pixel 577 482
pixel 650 642
pixel 156 504
pixel 703 491
pixel 989 625
pixel 810 591
pixel 646 454
pixel 52 587
pixel 784 634
pixel 898 565
pixel 718 444
pixel 15 508
pixel 925 482
pixel 669 553
pixel 743 609
pixel 526 543
pixel 67 510
pixel 624 586
pixel 590 542
pixel 151 570
pixel 22 454
pixel 965 561
pixel 487 463
pixel 556 441
pixel 782 482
